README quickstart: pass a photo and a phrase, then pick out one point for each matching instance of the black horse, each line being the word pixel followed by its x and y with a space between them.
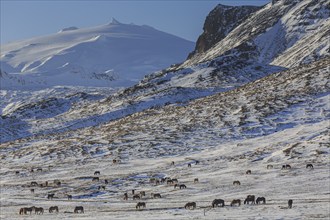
pixel 140 204
pixel 250 198
pixel 190 205
pixel 290 203
pixel 218 203
pixel 78 209
pixel 261 199
pixel 310 166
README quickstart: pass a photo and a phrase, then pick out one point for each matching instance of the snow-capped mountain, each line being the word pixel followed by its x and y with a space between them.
pixel 115 55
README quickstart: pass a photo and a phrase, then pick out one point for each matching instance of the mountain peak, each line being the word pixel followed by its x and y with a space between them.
pixel 114 21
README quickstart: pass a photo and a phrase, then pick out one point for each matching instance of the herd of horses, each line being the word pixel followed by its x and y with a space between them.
pixel 250 199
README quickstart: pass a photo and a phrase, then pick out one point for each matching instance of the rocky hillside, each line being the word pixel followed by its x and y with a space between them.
pixel 274 30
pixel 220 21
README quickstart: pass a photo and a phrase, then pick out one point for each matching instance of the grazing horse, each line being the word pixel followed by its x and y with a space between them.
pixel 236 182
pixel 57 182
pixel 33 183
pixel 101 187
pixel 50 196
pixel 96 179
pixel 53 209
pixel 97 173
pixel 78 209
pixel 168 182
pixel 269 166
pixel 24 211
pixel 156 195
pixel 69 197
pixel 142 193
pixel 196 180
pixel 261 199
pixel 125 196
pixel 248 172
pixel 136 197
pixel 190 205
pixel 175 180
pixel 38 211
pixel 140 204
pixel 235 201
pixel 218 203
pixel 182 186
pixel 290 203
pixel 250 198
pixel 39 169
pixel 286 167
pixel 309 166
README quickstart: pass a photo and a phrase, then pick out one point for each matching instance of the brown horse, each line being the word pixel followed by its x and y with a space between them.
pixel 236 182
pixel 190 205
pixel 78 209
pixel 25 210
pixel 136 197
pixel 140 204
pixel 33 183
pixel 156 195
pixel 269 166
pixel 169 182
pixel 101 187
pixel 196 180
pixel 261 199
pixel 235 201
pixel 218 203
pixel 250 198
pixel 286 167
pixel 96 179
pixel 38 210
pixel 175 180
pixel 53 209
pixel 142 193
pixel 50 195
pixel 125 196
pixel 310 166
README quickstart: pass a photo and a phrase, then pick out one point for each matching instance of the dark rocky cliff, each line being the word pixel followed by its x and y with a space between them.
pixel 220 21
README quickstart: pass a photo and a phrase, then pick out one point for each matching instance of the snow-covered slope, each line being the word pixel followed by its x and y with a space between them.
pixel 274 30
pixel 115 54
pixel 280 119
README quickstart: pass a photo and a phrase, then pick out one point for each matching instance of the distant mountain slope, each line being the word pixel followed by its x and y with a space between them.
pixel 280 101
pixel 109 55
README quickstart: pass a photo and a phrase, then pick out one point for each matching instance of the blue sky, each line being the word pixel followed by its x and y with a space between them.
pixel 184 18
